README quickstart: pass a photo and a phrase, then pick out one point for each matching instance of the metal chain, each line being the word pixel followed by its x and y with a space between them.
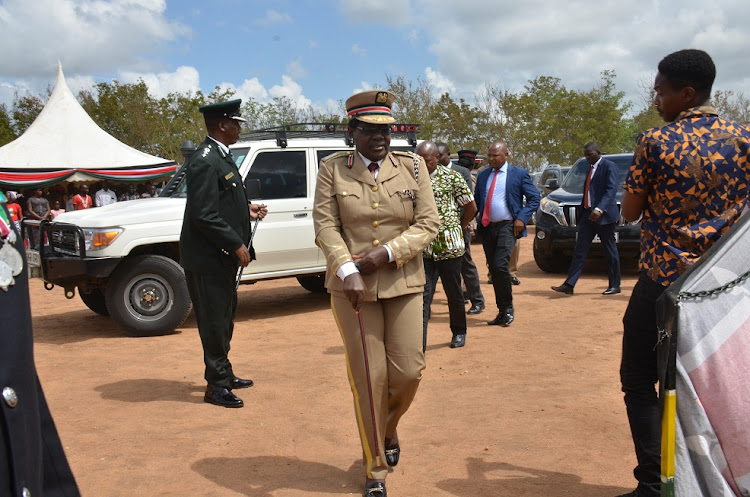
pixel 715 291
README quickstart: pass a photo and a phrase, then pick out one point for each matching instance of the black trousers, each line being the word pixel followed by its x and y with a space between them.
pixel 470 274
pixel 215 304
pixel 587 230
pixel 498 241
pixel 638 374
pixel 449 271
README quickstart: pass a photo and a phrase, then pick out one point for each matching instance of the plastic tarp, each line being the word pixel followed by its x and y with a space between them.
pixel 705 362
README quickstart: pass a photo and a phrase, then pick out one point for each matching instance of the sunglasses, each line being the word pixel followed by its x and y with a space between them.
pixel 384 131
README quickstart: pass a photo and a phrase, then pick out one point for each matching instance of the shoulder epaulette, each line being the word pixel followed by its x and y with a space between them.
pixel 405 153
pixel 337 155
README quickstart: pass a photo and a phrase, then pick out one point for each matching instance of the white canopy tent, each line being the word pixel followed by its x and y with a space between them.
pixel 65 144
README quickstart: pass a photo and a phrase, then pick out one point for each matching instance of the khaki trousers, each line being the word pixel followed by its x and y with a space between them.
pixel 393 330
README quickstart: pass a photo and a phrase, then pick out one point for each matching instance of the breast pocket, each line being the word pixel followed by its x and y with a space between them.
pixel 402 198
pixel 349 199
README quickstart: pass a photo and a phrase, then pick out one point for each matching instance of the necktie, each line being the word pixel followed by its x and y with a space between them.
pixel 586 188
pixel 488 201
pixel 373 167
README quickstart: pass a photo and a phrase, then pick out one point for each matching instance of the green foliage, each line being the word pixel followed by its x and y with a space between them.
pixel 7 134
pixel 25 111
pixel 731 105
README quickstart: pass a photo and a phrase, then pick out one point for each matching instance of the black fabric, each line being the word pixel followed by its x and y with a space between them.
pixel 499 241
pixel 587 230
pixel 449 271
pixel 638 375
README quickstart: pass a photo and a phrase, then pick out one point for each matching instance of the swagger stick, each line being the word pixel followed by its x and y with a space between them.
pixel 369 387
pixel 249 244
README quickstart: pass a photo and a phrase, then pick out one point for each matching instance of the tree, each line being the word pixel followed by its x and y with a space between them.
pixel 7 134
pixel 732 105
pixel 25 111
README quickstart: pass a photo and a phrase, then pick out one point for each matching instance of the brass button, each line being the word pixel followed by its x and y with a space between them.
pixel 10 397
pixel 374 188
pixel 344 194
pixel 375 224
pixel 375 243
pixel 374 205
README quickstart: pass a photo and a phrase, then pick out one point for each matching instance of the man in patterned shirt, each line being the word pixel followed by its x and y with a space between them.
pixel 689 180
pixel 442 258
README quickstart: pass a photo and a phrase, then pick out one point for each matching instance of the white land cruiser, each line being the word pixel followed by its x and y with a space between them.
pixel 124 257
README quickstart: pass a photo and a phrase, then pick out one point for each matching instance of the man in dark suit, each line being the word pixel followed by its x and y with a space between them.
pixel 32 460
pixel 213 244
pixel 469 271
pixel 599 213
pixel 500 192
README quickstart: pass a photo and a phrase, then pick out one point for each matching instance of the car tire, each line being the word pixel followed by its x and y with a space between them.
pixel 148 296
pixel 550 264
pixel 315 283
pixel 95 300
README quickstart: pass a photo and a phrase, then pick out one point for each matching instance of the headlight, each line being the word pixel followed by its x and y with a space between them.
pixel 553 209
pixel 100 238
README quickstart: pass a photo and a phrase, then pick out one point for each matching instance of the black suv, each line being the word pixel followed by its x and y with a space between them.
pixel 559 212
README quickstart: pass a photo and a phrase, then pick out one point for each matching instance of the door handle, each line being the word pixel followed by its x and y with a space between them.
pixel 300 214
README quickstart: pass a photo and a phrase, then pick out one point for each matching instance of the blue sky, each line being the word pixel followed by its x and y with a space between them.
pixel 320 52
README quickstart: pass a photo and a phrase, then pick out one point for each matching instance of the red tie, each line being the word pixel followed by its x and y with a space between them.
pixel 373 167
pixel 586 188
pixel 488 201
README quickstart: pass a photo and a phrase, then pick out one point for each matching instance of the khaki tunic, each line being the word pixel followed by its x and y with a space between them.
pixel 353 213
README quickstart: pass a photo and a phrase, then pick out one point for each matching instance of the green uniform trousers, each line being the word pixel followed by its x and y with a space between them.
pixel 393 329
pixel 215 303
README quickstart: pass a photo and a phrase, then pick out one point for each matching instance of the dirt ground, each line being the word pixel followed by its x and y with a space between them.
pixel 534 409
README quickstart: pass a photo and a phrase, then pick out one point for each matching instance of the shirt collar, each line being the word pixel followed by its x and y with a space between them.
pixel 504 167
pixel 368 161
pixel 701 110
pixel 596 164
pixel 221 145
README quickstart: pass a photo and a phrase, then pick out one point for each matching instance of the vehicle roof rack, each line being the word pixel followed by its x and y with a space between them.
pixel 322 130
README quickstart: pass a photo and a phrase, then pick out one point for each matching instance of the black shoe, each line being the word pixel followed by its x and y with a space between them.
pixel 223 397
pixel 475 309
pixel 392 453
pixel 458 341
pixel 240 383
pixel 639 493
pixel 503 318
pixel 564 288
pixel 507 317
pixel 611 290
pixel 515 280
pixel 375 489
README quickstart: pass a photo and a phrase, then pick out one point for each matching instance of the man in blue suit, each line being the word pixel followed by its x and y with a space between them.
pixel 500 193
pixel 599 214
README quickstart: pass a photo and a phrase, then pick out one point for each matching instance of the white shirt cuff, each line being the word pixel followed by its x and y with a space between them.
pixel 350 267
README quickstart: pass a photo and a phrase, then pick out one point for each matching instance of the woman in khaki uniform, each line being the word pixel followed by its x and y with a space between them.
pixel 374 214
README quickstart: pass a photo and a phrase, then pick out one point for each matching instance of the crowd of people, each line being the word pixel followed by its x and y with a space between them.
pixel 40 203
pixel 391 223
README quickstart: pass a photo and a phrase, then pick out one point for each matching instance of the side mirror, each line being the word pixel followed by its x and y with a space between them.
pixel 253 189
pixel 552 184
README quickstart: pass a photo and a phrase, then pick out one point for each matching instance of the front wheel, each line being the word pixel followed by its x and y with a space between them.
pixel 315 283
pixel 148 296
pixel 550 264
pixel 95 300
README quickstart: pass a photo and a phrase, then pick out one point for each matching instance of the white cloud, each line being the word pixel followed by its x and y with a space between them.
pixel 295 69
pixel 510 43
pixel 274 17
pixel 88 36
pixel 291 90
pixel 183 80
pixel 438 81
pixel 391 12
pixel 358 50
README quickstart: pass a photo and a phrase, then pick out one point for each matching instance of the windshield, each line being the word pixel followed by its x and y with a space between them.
pixel 180 190
pixel 576 178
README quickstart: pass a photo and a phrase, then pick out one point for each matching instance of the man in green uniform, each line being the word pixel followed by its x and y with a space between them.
pixel 213 244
